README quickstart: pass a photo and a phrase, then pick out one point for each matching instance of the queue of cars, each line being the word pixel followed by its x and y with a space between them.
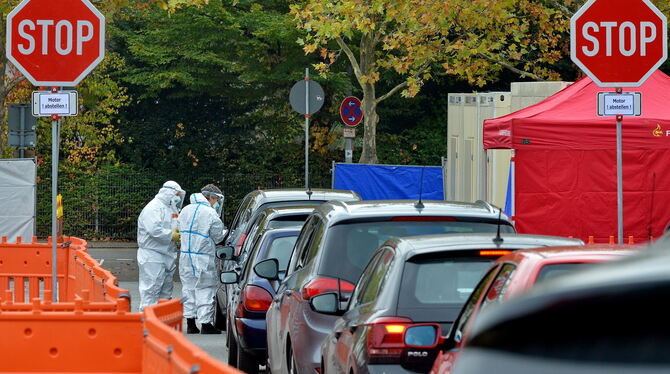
pixel 367 286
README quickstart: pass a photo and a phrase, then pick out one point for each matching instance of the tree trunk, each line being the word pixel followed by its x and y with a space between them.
pixel 369 154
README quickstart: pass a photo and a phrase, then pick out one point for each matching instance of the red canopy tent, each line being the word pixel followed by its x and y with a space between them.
pixel 564 165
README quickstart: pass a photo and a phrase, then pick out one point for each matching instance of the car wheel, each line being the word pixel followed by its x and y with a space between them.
pixel 246 362
pixel 219 318
pixel 232 350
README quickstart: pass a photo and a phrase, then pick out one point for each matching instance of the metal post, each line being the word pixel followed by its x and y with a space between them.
pixel 348 150
pixel 55 129
pixel 619 177
pixel 22 133
pixel 307 128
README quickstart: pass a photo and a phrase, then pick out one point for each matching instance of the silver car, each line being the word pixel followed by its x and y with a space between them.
pixel 330 254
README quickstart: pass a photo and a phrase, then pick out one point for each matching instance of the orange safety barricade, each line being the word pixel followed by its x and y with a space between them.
pixel 25 273
pixel 90 328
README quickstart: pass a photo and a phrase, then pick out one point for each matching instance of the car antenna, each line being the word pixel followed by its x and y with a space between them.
pixel 651 206
pixel 498 240
pixel 419 204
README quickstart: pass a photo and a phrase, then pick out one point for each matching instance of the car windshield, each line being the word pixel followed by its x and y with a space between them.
pixel 556 270
pixel 350 246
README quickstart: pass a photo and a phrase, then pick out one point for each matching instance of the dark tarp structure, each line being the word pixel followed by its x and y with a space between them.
pixel 564 165
pixel 382 182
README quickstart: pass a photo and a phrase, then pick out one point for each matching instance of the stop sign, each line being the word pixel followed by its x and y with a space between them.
pixel 618 43
pixel 55 42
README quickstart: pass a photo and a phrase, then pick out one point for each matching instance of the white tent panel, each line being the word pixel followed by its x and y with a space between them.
pixel 17 198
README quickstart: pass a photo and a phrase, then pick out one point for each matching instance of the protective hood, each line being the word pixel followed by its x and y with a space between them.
pixel 198 198
pixel 168 190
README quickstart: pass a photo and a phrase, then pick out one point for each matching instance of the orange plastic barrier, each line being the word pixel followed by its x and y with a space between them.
pixel 90 328
pixel 166 350
pixel 612 240
pixel 25 274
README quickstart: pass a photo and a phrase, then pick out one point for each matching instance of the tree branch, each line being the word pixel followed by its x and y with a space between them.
pixel 510 67
pixel 352 58
pixel 9 86
pixel 402 85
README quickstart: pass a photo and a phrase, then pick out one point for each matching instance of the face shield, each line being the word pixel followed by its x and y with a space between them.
pixel 177 195
pixel 218 205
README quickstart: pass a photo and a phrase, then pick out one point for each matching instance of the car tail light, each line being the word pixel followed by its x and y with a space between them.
pixel 385 343
pixel 494 253
pixel 423 218
pixel 240 243
pixel 321 285
pixel 256 299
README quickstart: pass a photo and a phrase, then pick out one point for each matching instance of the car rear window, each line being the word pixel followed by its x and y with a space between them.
pixel 281 249
pixel 350 246
pixel 555 270
pixel 287 221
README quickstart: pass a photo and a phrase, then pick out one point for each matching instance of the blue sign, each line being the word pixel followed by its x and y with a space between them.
pixel 350 111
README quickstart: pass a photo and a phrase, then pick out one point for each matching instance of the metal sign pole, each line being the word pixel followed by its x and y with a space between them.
pixel 55 130
pixel 348 150
pixel 307 128
pixel 22 148
pixel 619 177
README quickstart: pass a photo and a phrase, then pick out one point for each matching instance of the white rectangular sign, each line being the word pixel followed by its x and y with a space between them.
pixel 62 103
pixel 623 104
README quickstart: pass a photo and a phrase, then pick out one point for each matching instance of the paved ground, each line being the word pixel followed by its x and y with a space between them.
pixel 215 345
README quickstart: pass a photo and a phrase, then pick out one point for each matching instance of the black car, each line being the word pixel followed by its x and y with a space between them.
pixel 250 296
pixel 411 281
pixel 608 319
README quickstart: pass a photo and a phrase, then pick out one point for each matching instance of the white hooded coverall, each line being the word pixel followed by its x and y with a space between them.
pixel 201 228
pixel 157 254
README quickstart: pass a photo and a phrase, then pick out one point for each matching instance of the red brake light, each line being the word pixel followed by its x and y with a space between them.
pixel 321 285
pixel 423 218
pixel 256 299
pixel 385 339
pixel 494 253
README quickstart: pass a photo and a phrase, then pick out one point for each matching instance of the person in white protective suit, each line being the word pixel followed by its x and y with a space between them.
pixel 201 229
pixel 157 240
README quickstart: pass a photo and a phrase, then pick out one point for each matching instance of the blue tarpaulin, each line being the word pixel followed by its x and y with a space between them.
pixel 382 182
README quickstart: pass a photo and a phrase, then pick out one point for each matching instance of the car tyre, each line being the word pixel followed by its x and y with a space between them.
pixel 232 350
pixel 219 317
pixel 246 362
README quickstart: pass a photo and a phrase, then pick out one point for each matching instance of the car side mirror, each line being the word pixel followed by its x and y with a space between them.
pixel 229 277
pixel 326 303
pixel 268 269
pixel 423 336
pixel 225 253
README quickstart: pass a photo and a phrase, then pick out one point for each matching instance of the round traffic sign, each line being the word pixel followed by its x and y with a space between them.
pixel 299 92
pixel 350 111
pixel 55 42
pixel 618 43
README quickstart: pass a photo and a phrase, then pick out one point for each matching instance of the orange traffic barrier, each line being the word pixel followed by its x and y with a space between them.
pixel 612 240
pixel 25 273
pixel 166 350
pixel 90 328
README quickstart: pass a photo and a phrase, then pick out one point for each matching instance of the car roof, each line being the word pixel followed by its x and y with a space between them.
pixel 581 252
pixel 272 213
pixel 290 194
pixel 417 245
pixel 647 268
pixel 340 210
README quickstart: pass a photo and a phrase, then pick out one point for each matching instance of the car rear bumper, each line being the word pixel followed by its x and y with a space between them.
pixel 252 334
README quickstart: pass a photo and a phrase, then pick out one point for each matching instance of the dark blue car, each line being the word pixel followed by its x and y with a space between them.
pixel 251 297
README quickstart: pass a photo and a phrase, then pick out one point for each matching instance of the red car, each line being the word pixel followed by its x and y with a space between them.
pixel 513 274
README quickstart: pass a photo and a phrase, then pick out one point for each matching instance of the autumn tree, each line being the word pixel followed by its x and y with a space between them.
pixel 474 39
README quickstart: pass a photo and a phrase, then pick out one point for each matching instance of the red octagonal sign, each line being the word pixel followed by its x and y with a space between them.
pixel 55 42
pixel 618 43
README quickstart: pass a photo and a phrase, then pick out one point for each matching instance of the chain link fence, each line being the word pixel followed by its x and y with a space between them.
pixel 105 205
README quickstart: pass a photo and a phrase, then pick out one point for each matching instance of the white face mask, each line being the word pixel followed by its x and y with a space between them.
pixel 217 207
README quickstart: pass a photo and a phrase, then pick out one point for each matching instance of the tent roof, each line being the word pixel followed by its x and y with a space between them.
pixel 569 120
